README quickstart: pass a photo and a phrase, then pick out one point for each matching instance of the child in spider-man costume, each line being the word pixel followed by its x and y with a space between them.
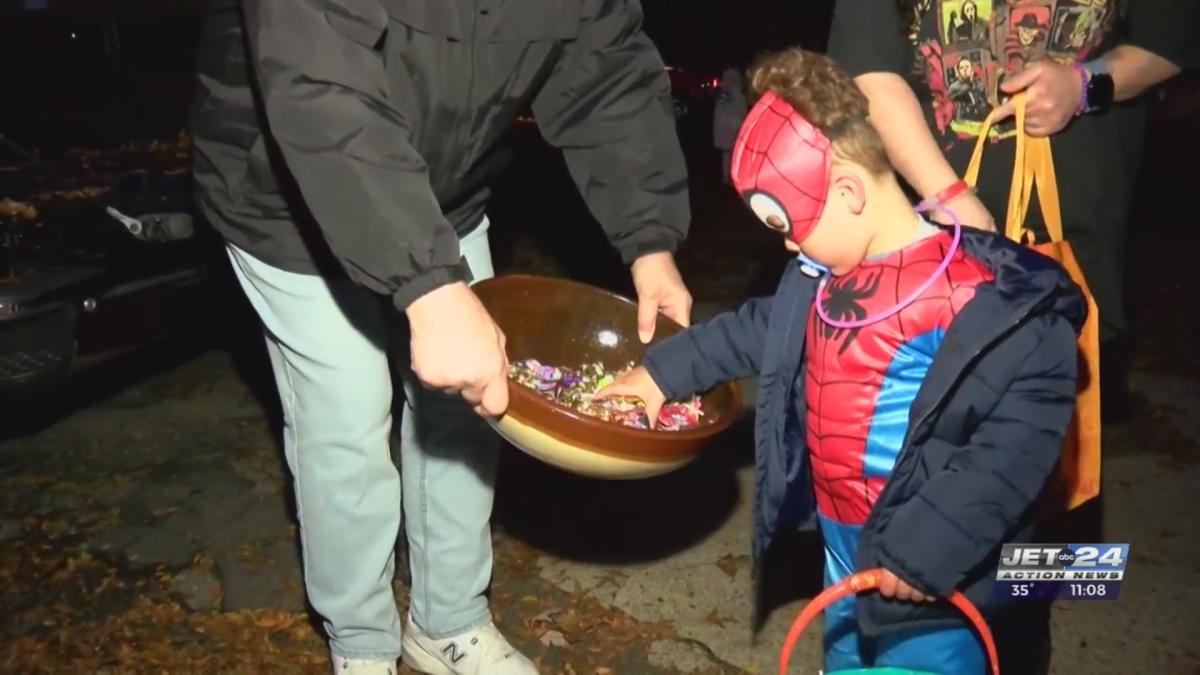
pixel 915 381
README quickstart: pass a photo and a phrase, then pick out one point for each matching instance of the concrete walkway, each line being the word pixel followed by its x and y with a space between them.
pixel 1150 480
pixel 174 486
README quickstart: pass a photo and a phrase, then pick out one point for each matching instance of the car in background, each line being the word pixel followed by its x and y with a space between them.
pixel 99 254
pixel 99 257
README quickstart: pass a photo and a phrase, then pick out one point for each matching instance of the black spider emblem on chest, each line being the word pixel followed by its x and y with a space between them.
pixel 844 300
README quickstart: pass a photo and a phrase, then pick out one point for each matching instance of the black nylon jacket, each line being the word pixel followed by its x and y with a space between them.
pixel 387 115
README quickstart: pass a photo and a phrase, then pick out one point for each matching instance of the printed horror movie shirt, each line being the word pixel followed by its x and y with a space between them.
pixel 968 47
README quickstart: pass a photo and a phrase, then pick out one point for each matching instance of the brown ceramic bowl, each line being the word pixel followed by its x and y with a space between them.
pixel 562 322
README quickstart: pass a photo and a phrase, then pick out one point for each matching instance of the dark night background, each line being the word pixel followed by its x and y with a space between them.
pixel 70 74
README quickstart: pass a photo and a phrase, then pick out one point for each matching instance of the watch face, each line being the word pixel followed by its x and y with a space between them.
pixel 1100 92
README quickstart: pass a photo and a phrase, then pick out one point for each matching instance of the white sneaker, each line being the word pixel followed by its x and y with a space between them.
pixel 345 666
pixel 482 651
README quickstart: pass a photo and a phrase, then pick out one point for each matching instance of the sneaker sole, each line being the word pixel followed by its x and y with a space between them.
pixel 416 657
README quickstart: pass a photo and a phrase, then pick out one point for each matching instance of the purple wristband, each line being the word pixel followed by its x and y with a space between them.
pixel 1083 87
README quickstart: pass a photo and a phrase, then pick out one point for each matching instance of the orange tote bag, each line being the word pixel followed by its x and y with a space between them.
pixel 1077 478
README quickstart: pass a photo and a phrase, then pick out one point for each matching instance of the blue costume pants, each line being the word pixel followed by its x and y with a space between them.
pixel 951 651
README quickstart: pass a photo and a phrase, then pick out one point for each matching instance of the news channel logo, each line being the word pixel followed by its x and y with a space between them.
pixel 1063 562
pixel 1061 571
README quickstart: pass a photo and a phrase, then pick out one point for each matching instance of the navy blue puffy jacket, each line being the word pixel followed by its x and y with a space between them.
pixel 985 430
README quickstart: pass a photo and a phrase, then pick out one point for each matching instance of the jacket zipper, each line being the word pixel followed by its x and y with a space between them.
pixel 906 448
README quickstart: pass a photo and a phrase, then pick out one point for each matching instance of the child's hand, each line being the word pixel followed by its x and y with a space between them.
pixel 637 383
pixel 892 586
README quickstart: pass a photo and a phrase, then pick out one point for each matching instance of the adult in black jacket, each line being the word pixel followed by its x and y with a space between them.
pixel 384 117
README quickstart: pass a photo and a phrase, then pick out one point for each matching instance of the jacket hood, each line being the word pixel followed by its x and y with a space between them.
pixel 1026 279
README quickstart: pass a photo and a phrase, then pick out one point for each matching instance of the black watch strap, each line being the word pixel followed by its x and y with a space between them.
pixel 1099 93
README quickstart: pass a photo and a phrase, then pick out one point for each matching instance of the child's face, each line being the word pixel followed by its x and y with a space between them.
pixel 840 239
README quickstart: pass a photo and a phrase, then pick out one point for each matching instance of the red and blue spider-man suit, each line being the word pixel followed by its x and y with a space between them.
pixel 860 383
pixel 859 386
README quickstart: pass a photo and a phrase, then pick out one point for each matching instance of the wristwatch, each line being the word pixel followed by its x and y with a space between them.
pixel 1099 90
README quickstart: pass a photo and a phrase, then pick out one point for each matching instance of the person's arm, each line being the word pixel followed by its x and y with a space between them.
pixel 965 511
pixel 607 106
pixel 727 348
pixel 1161 36
pixel 866 38
pixel 897 115
pixel 324 91
pixel 1134 70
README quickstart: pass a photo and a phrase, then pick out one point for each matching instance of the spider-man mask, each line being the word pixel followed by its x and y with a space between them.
pixel 780 166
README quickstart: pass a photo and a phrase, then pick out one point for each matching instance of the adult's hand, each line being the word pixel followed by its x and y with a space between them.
pixel 659 289
pixel 970 211
pixel 1052 96
pixel 456 347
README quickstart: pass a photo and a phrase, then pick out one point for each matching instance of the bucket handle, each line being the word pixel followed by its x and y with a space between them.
pixel 869 580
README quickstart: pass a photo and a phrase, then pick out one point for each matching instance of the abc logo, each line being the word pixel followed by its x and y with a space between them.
pixel 1066 558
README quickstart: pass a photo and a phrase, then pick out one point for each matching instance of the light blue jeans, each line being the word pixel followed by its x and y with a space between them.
pixel 327 342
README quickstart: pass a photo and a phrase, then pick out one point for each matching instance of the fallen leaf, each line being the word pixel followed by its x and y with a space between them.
pixel 730 563
pixel 546 616
pixel 553 638
pixel 614 578
pixel 716 619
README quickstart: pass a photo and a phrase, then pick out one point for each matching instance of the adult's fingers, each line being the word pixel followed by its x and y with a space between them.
pixel 472 395
pixel 1006 110
pixel 647 316
pixel 495 398
pixel 1023 79
pixel 679 310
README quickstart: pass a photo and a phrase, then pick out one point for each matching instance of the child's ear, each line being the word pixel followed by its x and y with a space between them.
pixel 850 188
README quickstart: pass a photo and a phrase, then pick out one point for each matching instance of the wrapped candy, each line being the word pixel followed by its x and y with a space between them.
pixel 576 387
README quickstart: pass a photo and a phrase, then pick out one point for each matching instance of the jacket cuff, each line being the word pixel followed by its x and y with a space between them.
pixel 913 547
pixel 633 250
pixel 429 281
pixel 670 365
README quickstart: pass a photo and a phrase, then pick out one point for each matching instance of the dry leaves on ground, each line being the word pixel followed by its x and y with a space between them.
pixel 730 564
pixel 69 612
pixel 717 620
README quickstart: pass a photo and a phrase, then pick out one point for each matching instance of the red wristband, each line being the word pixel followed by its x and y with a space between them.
pixel 955 189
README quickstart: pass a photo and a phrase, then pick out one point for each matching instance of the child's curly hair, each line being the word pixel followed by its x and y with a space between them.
pixel 825 95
